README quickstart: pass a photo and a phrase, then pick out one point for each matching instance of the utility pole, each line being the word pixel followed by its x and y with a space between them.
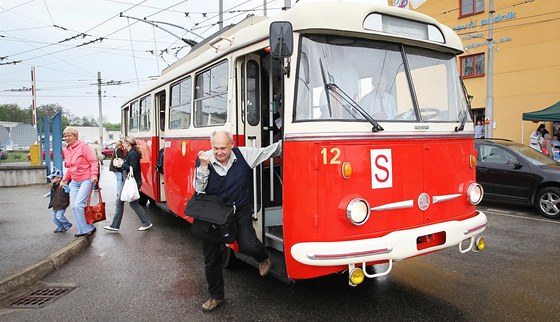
pixel 33 100
pixel 490 71
pixel 221 16
pixel 100 109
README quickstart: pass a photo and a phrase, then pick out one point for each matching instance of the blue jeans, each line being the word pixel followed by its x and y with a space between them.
pixel 119 183
pixel 79 193
pixel 119 205
pixel 60 220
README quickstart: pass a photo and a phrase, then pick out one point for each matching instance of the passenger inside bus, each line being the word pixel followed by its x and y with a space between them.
pixel 379 103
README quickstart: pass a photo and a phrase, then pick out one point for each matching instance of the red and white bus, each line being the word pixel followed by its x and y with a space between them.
pixel 378 160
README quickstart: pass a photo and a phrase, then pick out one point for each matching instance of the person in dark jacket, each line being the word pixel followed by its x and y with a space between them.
pixel 225 171
pixel 131 161
pixel 59 201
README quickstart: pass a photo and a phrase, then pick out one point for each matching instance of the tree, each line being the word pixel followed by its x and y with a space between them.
pixel 13 113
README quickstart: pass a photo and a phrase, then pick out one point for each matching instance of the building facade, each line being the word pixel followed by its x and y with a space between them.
pixel 526 67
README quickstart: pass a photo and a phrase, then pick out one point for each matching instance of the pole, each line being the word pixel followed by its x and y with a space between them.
pixel 33 100
pixel 221 17
pixel 490 71
pixel 264 8
pixel 100 109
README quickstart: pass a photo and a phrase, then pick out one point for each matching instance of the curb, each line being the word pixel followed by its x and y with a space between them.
pixel 31 274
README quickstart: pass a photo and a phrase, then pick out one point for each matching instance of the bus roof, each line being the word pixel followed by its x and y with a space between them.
pixel 337 17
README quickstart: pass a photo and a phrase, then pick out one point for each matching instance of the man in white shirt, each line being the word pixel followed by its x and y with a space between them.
pixel 379 103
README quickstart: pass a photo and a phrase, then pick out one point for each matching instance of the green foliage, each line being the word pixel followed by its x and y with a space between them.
pixel 14 113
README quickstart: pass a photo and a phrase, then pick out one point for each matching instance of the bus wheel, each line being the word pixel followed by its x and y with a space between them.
pixel 143 199
pixel 229 259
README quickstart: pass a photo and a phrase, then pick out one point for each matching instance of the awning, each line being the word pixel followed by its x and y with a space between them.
pixel 551 113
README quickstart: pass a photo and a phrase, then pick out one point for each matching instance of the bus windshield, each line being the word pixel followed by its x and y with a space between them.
pixel 372 74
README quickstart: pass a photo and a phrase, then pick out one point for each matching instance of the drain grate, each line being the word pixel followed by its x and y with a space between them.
pixel 41 297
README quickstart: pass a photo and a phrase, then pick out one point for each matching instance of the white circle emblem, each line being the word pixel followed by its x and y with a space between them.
pixel 423 201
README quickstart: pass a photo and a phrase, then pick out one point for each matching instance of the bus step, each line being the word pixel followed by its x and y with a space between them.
pixel 275 237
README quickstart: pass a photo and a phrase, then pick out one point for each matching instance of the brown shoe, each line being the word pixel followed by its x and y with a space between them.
pixel 211 305
pixel 265 266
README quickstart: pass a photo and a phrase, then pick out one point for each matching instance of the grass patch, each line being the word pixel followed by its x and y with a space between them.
pixel 16 156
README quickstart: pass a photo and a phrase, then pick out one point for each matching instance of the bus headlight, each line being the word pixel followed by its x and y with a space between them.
pixel 475 193
pixel 357 211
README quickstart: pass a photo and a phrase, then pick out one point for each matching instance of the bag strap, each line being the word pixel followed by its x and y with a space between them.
pixel 89 197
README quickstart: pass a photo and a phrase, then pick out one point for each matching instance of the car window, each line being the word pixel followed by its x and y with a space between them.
pixel 532 156
pixel 494 154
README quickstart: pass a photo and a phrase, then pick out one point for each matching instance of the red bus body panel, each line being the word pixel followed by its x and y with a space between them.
pixel 314 205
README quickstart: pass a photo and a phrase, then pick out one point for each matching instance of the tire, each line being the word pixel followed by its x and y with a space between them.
pixel 229 259
pixel 548 202
pixel 143 199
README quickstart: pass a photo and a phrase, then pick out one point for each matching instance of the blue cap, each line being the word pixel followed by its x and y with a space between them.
pixel 55 173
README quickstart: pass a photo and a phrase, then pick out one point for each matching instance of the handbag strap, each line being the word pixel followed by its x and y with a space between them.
pixel 89 197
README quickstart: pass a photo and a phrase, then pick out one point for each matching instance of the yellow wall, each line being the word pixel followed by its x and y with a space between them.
pixel 526 68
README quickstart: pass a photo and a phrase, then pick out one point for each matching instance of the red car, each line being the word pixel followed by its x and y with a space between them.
pixel 108 150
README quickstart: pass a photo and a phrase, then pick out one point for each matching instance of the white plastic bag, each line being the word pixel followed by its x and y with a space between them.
pixel 130 191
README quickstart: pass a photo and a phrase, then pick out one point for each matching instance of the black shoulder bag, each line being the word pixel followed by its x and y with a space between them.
pixel 214 220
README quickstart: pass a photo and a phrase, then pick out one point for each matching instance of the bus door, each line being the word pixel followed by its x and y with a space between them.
pixel 159 113
pixel 249 87
pixel 257 85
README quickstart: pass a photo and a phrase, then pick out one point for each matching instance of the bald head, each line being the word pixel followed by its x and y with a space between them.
pixel 222 144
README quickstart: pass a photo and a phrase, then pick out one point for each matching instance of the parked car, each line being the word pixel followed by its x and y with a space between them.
pixel 3 154
pixel 515 173
pixel 108 150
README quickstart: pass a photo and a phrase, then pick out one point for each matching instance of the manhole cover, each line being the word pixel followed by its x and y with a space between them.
pixel 41 297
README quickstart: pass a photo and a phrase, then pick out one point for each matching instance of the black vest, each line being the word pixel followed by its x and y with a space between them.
pixel 233 187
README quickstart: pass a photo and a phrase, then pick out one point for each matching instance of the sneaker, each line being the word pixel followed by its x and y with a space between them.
pixel 66 229
pixel 265 266
pixel 211 305
pixel 57 231
pixel 145 227
pixel 110 228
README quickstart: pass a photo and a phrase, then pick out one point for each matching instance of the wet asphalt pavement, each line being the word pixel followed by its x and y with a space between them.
pixel 157 275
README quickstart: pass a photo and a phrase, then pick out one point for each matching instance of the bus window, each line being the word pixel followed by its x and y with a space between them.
pixel 180 107
pixel 253 95
pixel 134 112
pixel 368 77
pixel 211 96
pixel 436 82
pixel 145 109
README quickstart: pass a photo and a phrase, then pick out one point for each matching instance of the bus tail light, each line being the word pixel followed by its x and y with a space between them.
pixel 357 211
pixel 346 170
pixel 475 193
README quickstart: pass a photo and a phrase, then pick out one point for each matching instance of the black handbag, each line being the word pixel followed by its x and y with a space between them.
pixel 214 220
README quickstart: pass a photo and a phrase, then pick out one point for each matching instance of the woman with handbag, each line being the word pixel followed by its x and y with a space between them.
pixel 115 165
pixel 82 169
pixel 131 164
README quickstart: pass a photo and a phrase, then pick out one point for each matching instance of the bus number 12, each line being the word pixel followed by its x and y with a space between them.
pixel 335 153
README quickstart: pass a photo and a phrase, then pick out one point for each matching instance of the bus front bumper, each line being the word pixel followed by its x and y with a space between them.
pixel 394 246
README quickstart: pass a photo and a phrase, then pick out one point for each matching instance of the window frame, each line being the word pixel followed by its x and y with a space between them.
pixel 188 104
pixel 472 7
pixel 462 60
pixel 201 97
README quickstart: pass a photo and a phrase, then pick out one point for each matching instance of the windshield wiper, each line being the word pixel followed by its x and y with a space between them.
pixel 468 98
pixel 332 86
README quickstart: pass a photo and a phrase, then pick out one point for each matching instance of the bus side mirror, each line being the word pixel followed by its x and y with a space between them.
pixel 281 39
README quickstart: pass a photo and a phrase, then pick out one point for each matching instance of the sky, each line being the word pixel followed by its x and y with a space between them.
pixel 69 41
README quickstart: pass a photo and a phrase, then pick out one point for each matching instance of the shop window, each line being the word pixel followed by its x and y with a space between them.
pixel 471 7
pixel 472 66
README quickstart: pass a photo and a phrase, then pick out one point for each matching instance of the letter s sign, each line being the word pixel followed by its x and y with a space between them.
pixel 381 169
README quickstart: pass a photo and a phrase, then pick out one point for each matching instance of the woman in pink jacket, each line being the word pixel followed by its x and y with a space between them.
pixel 82 168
